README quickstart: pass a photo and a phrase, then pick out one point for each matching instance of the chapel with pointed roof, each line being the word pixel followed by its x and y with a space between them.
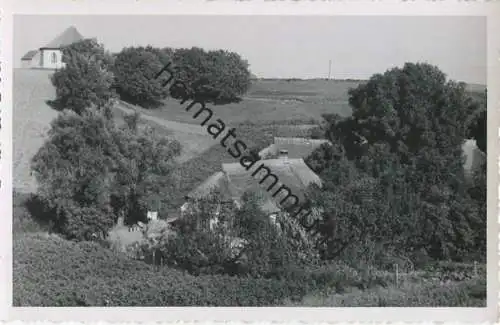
pixel 50 55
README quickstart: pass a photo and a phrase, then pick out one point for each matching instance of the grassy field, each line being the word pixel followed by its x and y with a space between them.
pixel 299 102
pixel 31 120
pixel 193 143
pixel 279 100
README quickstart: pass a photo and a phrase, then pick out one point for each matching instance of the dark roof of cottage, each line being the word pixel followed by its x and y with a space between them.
pixel 296 147
pixel 68 37
pixel 235 180
pixel 29 55
pixel 217 181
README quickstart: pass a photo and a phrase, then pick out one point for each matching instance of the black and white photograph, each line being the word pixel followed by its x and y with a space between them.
pixel 249 161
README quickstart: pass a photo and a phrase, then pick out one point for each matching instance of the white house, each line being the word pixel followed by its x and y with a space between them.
pixel 50 55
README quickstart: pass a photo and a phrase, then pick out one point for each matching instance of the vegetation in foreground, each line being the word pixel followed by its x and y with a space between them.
pixel 394 194
pixel 50 271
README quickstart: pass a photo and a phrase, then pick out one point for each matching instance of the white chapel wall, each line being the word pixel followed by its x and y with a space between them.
pixel 48 59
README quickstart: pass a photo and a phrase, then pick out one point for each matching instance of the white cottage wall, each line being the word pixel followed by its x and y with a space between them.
pixel 51 59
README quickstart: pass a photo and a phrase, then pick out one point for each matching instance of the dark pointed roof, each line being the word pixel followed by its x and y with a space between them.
pixel 29 55
pixel 68 37
pixel 234 180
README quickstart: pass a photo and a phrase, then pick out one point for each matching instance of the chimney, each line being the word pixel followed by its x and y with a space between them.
pixel 283 154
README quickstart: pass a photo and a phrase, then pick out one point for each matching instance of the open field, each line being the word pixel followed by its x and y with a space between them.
pixel 277 100
pixel 298 102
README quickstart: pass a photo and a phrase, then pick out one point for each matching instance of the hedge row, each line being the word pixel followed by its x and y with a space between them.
pixel 49 271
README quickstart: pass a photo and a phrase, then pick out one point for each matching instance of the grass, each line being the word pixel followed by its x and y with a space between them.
pixel 278 100
pixel 50 271
pixel 31 121
pixel 302 101
pixel 470 293
pixel 193 143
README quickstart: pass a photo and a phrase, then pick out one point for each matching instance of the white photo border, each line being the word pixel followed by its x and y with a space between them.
pixel 489 9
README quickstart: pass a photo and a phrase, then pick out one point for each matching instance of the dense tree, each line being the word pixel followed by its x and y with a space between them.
pixel 135 69
pixel 85 80
pixel 402 148
pixel 477 128
pixel 144 168
pixel 90 172
pixel 73 170
pixel 165 55
pixel 217 76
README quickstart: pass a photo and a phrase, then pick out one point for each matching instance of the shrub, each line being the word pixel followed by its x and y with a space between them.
pixel 23 221
pixel 237 241
pixel 55 272
pixel 317 133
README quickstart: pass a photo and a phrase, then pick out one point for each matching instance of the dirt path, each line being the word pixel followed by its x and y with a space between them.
pixel 193 138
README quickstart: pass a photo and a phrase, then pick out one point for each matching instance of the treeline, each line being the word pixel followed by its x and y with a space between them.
pixel 131 74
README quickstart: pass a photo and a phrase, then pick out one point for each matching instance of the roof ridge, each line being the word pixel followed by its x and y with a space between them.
pixel 69 36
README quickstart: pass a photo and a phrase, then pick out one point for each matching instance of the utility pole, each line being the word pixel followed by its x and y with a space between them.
pixel 329 68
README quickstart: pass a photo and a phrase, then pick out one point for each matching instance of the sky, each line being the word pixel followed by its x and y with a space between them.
pixel 288 46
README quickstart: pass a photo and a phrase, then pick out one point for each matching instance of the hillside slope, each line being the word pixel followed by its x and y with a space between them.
pixel 50 271
pixel 31 121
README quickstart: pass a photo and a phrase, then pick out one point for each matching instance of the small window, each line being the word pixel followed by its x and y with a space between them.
pixel 53 58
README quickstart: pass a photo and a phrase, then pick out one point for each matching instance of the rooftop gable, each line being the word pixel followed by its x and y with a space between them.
pixel 68 37
pixel 29 55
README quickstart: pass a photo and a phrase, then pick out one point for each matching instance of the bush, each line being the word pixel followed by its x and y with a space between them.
pixel 316 133
pixel 23 222
pixel 55 272
pixel 237 241
pixel 135 69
